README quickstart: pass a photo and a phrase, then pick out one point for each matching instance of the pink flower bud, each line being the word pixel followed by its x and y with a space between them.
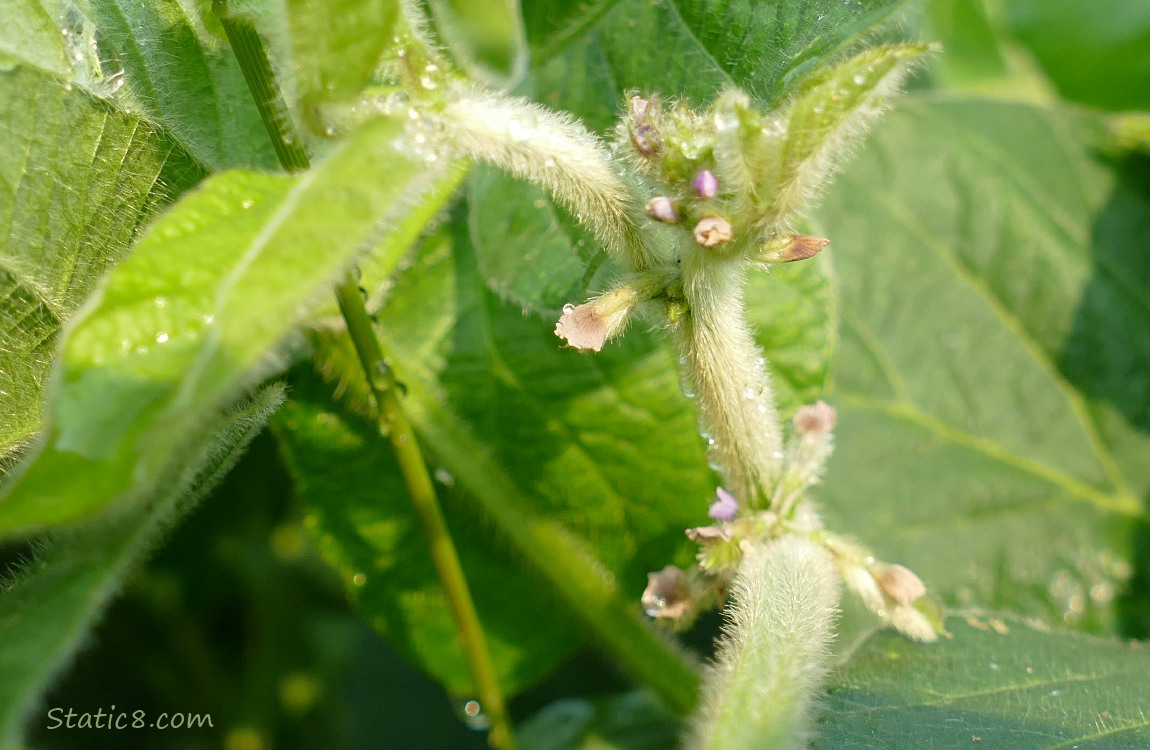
pixel 800 247
pixel 818 419
pixel 712 231
pixel 899 583
pixel 661 209
pixel 705 184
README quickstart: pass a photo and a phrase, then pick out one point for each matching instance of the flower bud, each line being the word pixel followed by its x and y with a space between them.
pixel 899 583
pixel 661 209
pixel 588 326
pixel 646 140
pixel 797 247
pixel 712 231
pixel 818 419
pixel 667 594
pixel 706 185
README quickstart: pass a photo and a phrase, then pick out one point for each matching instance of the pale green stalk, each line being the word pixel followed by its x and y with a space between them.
pixel 761 693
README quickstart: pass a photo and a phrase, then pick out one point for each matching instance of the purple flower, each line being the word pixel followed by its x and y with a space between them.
pixel 705 184
pixel 725 507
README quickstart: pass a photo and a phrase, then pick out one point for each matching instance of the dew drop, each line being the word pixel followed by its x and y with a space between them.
pixel 568 309
pixel 444 477
pixel 161 338
pixel 247 203
pixel 686 386
pixel 471 712
pixel 549 163
pixel 859 79
pixel 64 32
pixel 714 458
pixel 359 579
pixel 428 79
pixel 750 393
pixel 160 302
pixel 777 454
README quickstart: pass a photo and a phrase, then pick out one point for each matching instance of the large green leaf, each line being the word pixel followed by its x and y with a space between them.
pixel 47 608
pixel 76 180
pixel 997 682
pixel 1110 39
pixel 688 48
pixel 195 313
pixel 991 377
pixel 184 78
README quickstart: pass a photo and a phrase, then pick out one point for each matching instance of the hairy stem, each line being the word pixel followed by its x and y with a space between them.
pixel 728 372
pixel 393 421
pixel 772 663
pixel 559 154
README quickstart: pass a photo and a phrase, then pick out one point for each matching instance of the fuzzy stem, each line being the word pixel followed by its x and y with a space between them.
pixel 253 59
pixel 771 666
pixel 393 421
pixel 736 403
pixel 559 154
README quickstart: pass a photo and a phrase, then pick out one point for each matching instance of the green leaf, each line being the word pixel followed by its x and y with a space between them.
pixel 688 48
pixel 195 313
pixel 1110 43
pixel 999 682
pixel 335 47
pixel 484 36
pixel 631 721
pixel 185 78
pixel 46 609
pixel 530 250
pixel 990 379
pixel 76 180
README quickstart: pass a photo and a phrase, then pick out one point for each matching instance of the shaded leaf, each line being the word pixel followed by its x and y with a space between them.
pixel 76 180
pixel 631 721
pixel 484 36
pixel 183 77
pixel 999 682
pixel 46 609
pixel 193 315
pixel 991 374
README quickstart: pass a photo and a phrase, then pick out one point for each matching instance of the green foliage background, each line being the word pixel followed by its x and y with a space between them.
pixel 981 322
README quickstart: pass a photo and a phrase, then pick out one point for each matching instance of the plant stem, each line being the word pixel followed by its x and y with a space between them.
pixel 736 401
pixel 393 422
pixel 253 59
